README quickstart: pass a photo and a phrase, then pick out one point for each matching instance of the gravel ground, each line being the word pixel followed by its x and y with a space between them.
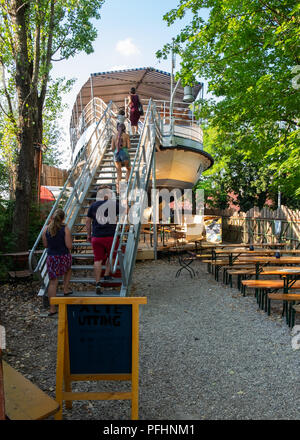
pixel 206 352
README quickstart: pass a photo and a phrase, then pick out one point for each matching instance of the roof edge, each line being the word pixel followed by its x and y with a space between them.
pixel 131 70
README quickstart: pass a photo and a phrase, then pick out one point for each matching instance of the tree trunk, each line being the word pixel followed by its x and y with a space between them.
pixel 25 173
pixel 25 179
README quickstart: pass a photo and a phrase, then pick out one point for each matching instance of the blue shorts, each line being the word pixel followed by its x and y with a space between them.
pixel 122 156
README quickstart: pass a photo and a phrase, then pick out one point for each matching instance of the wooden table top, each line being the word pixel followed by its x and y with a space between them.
pixel 257 251
pixel 21 254
pixel 15 254
pixel 283 271
pixel 281 260
pixel 237 245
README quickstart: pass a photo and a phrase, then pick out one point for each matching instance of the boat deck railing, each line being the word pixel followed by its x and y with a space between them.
pixel 182 122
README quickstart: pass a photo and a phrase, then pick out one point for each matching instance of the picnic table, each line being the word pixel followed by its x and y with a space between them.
pixel 291 275
pixel 163 229
pixel 208 245
pixel 264 290
pixel 20 264
pixel 233 254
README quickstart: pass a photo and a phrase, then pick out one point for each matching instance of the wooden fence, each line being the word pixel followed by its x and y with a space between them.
pixel 265 226
pixel 52 176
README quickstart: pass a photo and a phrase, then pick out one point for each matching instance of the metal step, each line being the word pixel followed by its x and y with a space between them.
pixel 82 256
pixel 108 172
pixel 89 293
pixel 110 154
pixel 111 172
pixel 93 281
pixel 105 178
pixel 86 267
pixel 94 191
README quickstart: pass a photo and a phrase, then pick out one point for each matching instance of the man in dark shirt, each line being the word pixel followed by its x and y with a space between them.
pixel 101 224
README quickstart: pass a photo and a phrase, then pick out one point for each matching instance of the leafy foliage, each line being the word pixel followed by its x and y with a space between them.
pixel 38 214
pixel 34 34
pixel 247 50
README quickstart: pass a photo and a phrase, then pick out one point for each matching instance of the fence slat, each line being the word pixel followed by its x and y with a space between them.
pixel 259 226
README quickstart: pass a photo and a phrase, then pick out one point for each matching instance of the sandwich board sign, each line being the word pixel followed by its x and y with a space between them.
pixel 97 339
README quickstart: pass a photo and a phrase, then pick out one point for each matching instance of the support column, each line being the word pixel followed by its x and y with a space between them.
pixel 154 202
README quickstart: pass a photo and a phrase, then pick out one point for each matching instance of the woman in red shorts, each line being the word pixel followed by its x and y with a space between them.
pixel 101 224
pixel 57 239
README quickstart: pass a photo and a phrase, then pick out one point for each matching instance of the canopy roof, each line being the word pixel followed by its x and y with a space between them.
pixel 115 86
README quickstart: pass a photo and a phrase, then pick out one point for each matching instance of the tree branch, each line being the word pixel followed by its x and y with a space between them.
pixel 276 14
pixel 37 51
pixel 48 56
pixel 61 43
pixel 8 30
pixel 6 91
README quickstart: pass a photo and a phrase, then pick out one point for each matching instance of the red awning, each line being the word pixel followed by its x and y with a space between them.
pixel 46 195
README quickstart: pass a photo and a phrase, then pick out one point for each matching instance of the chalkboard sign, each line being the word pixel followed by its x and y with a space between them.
pixel 100 338
pixel 97 339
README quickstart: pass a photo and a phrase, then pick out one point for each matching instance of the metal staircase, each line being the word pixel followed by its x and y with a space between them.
pixel 94 166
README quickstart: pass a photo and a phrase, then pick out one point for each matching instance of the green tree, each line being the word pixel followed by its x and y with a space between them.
pixel 247 50
pixel 33 34
pixel 235 176
pixel 52 133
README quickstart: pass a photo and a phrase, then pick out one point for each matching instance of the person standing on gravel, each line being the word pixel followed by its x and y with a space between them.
pixel 101 224
pixel 57 239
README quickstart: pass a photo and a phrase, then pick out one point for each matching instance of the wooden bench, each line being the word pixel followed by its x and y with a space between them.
pixel 200 256
pixel 262 295
pixel 291 309
pixel 268 284
pixel 240 273
pixel 17 275
pixel 223 264
pixel 249 272
pixel 214 263
pixel 227 270
pixel 23 399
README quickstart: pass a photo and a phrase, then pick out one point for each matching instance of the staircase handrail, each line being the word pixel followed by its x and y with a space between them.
pixel 70 177
pixel 136 183
pixel 121 222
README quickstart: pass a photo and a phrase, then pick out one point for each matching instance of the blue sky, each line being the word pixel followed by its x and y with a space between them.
pixel 129 34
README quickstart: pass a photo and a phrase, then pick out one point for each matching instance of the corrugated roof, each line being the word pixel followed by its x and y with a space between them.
pixel 115 85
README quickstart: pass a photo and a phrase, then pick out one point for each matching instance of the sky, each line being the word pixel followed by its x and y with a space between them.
pixel 129 34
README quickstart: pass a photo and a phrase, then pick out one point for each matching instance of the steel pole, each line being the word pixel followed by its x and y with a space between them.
pixel 154 203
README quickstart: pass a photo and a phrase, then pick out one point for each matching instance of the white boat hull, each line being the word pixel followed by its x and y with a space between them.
pixel 180 167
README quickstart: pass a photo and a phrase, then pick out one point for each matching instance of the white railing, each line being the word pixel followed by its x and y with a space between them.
pixel 181 124
pixel 91 113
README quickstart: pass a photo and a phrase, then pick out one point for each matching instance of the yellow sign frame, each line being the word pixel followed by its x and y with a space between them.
pixel 64 378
